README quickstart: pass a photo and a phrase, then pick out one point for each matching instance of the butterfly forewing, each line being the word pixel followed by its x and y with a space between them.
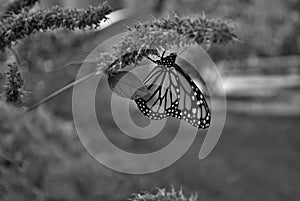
pixel 163 99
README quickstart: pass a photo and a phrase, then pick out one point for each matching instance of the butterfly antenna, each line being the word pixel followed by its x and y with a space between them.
pixel 137 21
pixel 127 27
pixel 61 91
pixel 58 69
pixel 182 51
pixel 178 47
pixel 76 60
pixel 152 16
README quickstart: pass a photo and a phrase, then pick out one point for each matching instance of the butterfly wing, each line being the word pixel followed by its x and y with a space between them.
pixel 192 104
pixel 174 93
pixel 163 100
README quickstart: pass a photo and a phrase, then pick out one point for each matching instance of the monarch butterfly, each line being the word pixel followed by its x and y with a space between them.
pixel 173 94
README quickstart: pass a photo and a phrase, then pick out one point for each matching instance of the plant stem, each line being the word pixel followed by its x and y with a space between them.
pixel 16 55
pixel 86 77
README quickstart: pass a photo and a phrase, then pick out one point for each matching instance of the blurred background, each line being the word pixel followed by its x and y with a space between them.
pixel 257 157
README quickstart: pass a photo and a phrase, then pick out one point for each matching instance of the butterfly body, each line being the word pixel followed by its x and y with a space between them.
pixel 173 94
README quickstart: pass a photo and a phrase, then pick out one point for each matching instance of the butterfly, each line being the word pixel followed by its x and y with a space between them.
pixel 173 94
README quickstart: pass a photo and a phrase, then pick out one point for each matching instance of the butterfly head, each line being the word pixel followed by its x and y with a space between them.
pixel 168 61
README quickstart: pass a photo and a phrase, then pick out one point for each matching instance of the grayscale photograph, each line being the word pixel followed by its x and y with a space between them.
pixel 157 100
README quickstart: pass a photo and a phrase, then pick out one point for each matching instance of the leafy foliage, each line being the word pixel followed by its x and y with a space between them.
pixel 19 26
pixel 162 195
pixel 46 159
pixel 18 23
pixel 165 33
pixel 14 92
pixel 17 6
pixel 21 141
pixel 265 28
pixel 201 30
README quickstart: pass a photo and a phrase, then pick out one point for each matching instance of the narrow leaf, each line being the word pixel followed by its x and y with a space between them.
pixel 127 85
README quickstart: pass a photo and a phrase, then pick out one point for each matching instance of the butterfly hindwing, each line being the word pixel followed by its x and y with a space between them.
pixel 193 106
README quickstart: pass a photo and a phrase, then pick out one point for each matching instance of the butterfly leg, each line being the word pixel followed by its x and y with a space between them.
pixel 163 54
